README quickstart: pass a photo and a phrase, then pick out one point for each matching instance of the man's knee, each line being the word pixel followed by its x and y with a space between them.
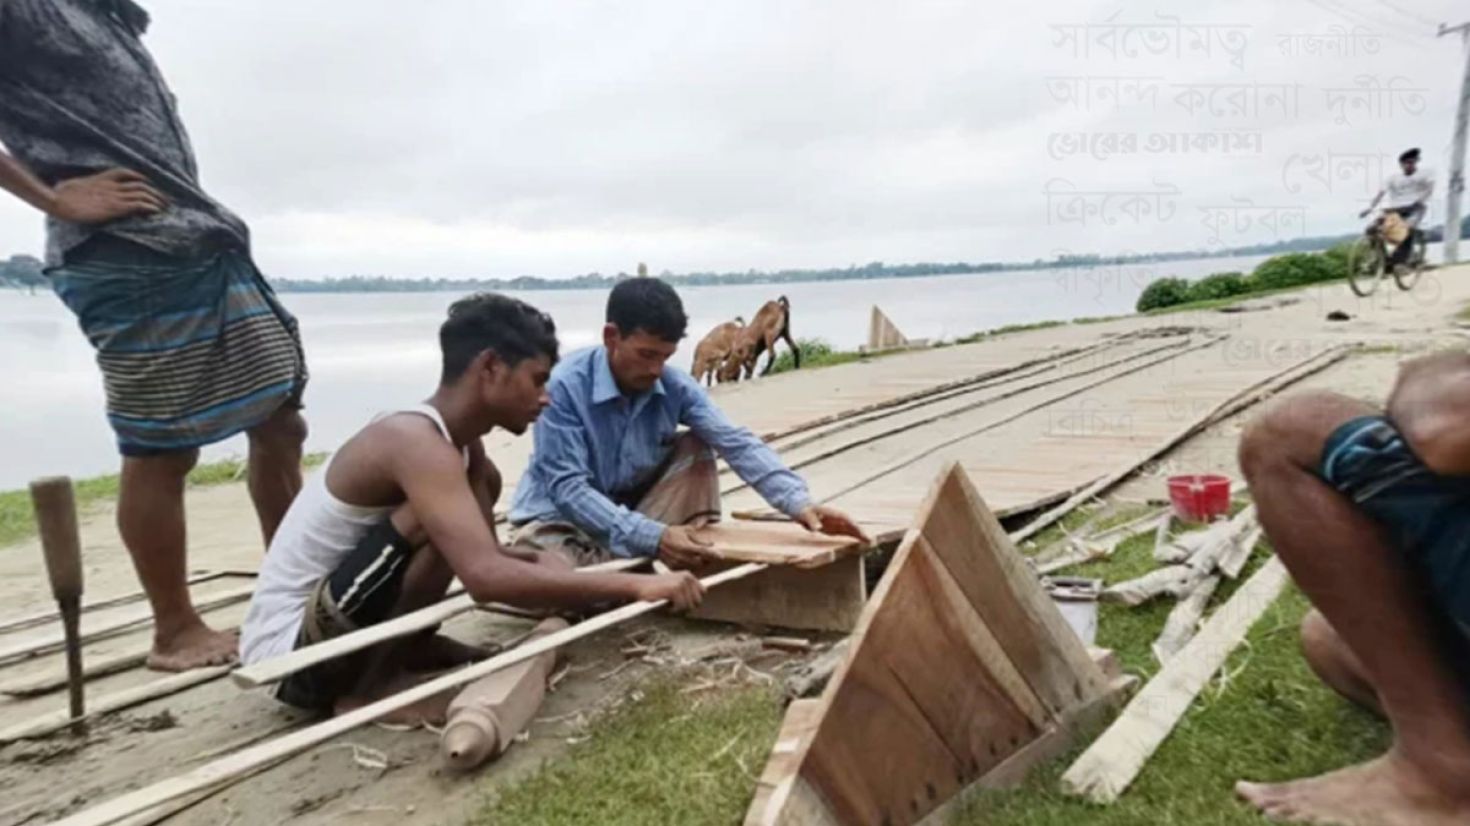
pixel 688 444
pixel 173 464
pixel 286 429
pixel 1292 430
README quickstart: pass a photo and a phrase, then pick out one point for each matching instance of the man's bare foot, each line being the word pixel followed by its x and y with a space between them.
pixel 197 646
pixel 1335 664
pixel 438 653
pixel 432 710
pixel 1388 791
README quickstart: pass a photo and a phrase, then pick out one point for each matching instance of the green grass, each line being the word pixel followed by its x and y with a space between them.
pixel 1230 301
pixel 1009 329
pixel 1268 719
pixel 664 758
pixel 816 352
pixel 17 521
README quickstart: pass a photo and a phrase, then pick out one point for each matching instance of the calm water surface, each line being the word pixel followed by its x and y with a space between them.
pixel 370 351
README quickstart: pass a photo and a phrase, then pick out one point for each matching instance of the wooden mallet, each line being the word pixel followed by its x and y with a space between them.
pixel 56 516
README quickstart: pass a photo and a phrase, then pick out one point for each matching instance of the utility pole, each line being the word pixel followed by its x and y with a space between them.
pixel 1457 152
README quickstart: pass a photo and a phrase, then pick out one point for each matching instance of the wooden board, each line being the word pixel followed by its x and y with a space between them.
pixel 455 603
pixel 829 598
pixel 798 724
pixel 959 662
pixel 775 543
pixel 1111 763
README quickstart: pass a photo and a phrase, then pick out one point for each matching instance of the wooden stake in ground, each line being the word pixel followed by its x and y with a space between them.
pixel 56 517
pixel 1107 768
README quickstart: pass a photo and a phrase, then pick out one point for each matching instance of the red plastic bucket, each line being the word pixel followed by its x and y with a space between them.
pixel 1199 497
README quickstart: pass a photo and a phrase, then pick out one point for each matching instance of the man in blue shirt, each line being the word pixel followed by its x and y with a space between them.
pixel 612 476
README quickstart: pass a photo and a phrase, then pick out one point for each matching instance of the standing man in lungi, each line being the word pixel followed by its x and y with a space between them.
pixel 611 475
pixel 192 343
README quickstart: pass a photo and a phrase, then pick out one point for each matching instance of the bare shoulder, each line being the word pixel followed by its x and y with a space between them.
pixel 410 439
pixel 388 446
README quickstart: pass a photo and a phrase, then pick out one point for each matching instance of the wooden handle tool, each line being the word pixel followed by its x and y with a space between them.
pixel 56 517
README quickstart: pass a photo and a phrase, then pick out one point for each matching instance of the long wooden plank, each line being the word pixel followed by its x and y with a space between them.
pixel 1274 383
pixel 913 402
pixel 1111 763
pixel 61 718
pixel 821 421
pixel 934 447
pixel 56 642
pixel 52 615
pixel 247 761
pixel 853 444
pixel 278 668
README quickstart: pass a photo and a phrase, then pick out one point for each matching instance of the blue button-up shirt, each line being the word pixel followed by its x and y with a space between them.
pixel 593 444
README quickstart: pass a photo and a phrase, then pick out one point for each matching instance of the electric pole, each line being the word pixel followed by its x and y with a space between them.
pixel 1457 152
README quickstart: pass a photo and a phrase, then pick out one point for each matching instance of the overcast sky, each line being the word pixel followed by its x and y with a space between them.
pixel 467 138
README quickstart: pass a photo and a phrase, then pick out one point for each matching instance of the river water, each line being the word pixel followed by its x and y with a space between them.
pixel 369 351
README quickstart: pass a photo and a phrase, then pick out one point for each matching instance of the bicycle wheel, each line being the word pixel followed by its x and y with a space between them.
pixel 1365 266
pixel 1407 275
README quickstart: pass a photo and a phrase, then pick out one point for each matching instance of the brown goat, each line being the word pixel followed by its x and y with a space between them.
pixel 714 349
pixel 772 322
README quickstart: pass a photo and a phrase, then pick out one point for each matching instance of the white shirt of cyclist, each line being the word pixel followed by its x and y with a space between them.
pixel 1407 190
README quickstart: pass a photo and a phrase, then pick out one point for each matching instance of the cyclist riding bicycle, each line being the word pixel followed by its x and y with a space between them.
pixel 1408 194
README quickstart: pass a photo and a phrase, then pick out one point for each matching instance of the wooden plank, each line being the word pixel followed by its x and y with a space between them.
pixel 247 761
pixel 1111 763
pixel 940 685
pixel 1256 392
pixel 1232 562
pixel 950 709
pixel 1078 724
pixel 1184 619
pixel 932 390
pixel 798 724
pixel 775 543
pixel 974 547
pixel 1175 351
pixel 829 598
pixel 278 668
pixel 55 642
pixel 52 615
pixel 852 444
pixel 127 698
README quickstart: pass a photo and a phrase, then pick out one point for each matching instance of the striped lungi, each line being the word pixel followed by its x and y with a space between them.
pixel 191 352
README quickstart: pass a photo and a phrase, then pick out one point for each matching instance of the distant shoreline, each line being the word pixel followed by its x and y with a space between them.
pixel 24 272
pixel 871 272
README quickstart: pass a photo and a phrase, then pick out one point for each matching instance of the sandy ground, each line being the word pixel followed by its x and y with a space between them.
pixel 42 779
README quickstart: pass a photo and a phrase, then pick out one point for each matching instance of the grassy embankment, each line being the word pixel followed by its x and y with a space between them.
pixel 658 760
pixel 17 521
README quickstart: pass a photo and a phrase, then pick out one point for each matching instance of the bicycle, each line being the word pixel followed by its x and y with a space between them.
pixel 1368 259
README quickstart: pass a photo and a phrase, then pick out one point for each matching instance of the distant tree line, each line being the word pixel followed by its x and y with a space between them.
pixel 25 271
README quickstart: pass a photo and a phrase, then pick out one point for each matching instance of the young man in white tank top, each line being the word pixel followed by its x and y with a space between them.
pixel 406 505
